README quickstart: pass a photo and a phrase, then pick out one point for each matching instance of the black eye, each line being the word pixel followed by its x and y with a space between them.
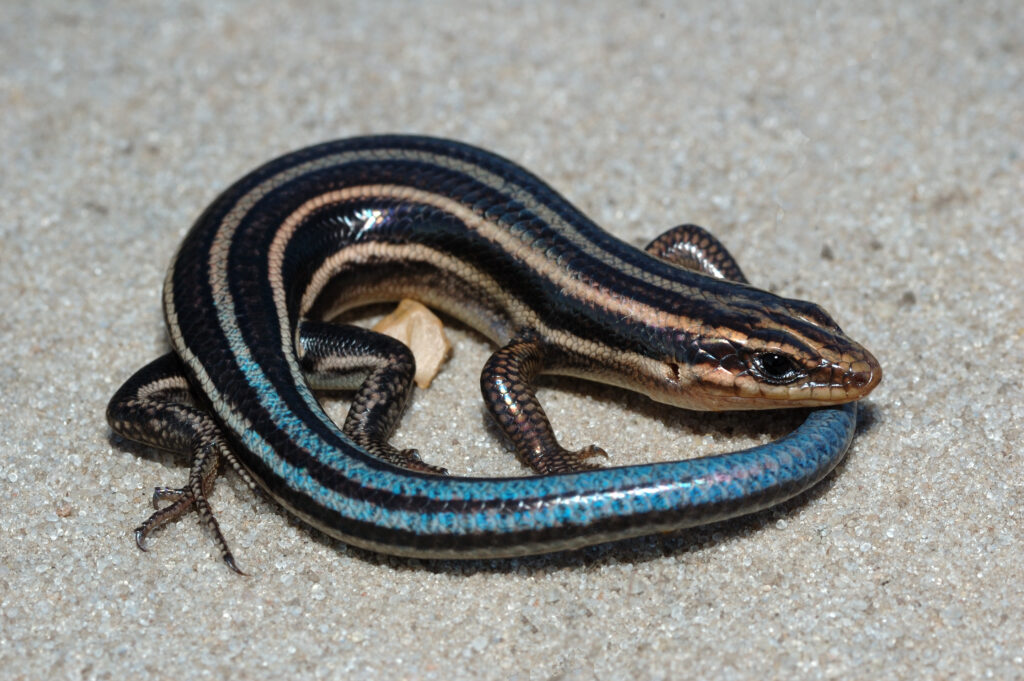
pixel 771 367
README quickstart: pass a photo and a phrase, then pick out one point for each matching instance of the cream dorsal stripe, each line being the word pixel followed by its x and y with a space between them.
pixel 538 261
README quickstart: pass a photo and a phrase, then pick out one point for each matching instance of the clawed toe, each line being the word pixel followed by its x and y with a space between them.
pixel 167 494
pixel 410 459
pixel 566 461
pixel 182 503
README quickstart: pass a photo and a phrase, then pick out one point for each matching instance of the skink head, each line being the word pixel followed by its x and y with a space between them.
pixel 766 352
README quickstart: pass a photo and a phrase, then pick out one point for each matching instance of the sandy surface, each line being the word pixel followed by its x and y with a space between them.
pixel 868 159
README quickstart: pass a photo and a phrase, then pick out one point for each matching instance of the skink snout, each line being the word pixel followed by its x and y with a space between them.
pixel 863 375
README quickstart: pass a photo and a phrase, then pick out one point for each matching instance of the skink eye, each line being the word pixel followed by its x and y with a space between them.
pixel 771 367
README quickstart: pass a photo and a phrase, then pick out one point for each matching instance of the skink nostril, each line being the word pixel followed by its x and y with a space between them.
pixel 862 375
pixel 859 379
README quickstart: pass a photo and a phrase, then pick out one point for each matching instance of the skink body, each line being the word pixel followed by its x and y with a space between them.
pixel 364 220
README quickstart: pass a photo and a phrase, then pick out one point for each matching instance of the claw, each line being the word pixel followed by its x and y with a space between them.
pixel 591 451
pixel 230 561
pixel 140 538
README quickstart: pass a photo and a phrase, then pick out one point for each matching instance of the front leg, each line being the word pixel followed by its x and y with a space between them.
pixel 507 385
pixel 694 248
pixel 379 368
